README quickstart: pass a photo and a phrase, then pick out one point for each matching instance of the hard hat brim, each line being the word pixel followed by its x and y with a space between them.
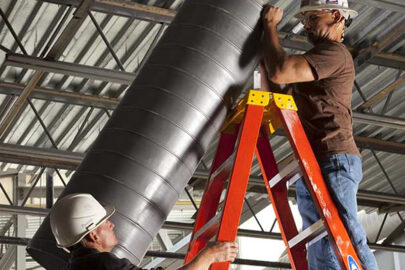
pixel 110 210
pixel 300 13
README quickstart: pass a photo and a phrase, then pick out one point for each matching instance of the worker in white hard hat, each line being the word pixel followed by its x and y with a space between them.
pixel 80 225
pixel 321 81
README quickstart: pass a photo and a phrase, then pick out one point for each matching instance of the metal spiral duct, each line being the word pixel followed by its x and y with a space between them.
pixel 152 144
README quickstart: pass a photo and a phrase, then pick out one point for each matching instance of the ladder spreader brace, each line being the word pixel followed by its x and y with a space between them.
pixel 247 131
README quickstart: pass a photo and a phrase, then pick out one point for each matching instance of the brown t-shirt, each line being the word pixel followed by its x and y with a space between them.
pixel 324 105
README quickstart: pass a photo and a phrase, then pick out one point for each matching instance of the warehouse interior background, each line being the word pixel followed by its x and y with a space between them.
pixel 43 139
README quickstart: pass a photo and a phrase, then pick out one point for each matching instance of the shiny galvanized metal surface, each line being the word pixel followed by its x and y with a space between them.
pixel 35 21
pixel 152 144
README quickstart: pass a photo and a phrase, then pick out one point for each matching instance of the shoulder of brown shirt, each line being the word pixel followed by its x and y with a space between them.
pixel 333 45
pixel 337 47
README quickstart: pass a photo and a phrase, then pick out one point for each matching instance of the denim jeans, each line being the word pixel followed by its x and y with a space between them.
pixel 342 174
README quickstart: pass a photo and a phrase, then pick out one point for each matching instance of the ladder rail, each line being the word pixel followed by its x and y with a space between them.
pixel 317 187
pixel 234 201
pixel 212 193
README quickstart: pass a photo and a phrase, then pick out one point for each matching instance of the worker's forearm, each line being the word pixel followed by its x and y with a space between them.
pixel 274 54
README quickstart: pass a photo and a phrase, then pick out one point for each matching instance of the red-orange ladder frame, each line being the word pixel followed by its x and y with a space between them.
pixel 255 118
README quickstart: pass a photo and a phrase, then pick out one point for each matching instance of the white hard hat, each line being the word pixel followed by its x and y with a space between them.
pixel 76 215
pixel 341 5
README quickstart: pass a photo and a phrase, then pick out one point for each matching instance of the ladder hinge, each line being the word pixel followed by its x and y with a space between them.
pixel 284 101
pixel 257 97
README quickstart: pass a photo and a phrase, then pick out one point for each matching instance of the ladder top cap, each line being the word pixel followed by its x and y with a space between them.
pixel 257 97
pixel 263 98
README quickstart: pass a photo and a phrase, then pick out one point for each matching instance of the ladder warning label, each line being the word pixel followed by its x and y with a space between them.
pixel 352 263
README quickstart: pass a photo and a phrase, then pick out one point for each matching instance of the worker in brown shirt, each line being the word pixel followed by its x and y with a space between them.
pixel 323 79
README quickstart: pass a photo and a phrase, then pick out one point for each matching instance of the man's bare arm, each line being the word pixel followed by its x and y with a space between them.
pixel 281 67
pixel 218 252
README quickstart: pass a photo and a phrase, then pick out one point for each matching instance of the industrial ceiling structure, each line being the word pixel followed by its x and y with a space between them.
pixel 63 71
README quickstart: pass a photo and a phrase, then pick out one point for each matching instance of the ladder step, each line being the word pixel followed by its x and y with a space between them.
pixel 310 233
pixel 288 172
pixel 225 167
pixel 294 179
pixel 209 229
pixel 319 237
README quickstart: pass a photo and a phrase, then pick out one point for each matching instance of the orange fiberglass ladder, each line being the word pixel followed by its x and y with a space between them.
pixel 246 133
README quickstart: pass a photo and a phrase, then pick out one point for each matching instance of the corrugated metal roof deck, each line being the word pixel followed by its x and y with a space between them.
pixel 34 22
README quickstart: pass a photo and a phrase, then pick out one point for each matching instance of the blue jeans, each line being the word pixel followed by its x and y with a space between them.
pixel 342 174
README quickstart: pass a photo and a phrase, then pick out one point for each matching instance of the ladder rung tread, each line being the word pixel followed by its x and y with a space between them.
pixel 308 234
pixel 319 237
pixel 224 166
pixel 294 179
pixel 210 225
pixel 291 168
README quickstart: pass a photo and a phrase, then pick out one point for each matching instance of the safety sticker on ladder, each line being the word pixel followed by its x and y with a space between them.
pixel 352 263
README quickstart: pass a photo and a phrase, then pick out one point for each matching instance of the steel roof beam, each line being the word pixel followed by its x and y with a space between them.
pixel 60 159
pixel 61 96
pixel 380 145
pixel 18 210
pixel 97 73
pixel 388 60
pixel 71 69
pixel 250 233
pixel 365 197
pixel 382 94
pixel 169 225
pixel 125 9
pixel 50 158
pixel 298 42
pixel 379 120
pixel 37 192
pixel 111 103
